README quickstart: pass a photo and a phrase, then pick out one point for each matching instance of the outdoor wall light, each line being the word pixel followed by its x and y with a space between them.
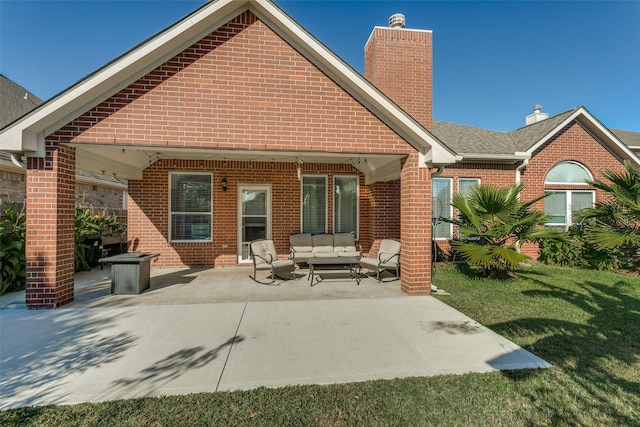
pixel 224 184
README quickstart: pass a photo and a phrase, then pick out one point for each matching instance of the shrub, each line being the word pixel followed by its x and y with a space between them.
pixel 577 251
pixel 90 226
pixel 12 249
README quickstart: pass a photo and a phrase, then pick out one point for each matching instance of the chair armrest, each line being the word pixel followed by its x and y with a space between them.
pixel 385 257
pixel 268 261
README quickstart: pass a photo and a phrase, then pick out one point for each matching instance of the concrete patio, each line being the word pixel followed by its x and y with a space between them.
pixel 216 330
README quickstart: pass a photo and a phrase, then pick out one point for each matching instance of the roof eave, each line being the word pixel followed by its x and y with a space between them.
pixel 597 129
pixel 27 134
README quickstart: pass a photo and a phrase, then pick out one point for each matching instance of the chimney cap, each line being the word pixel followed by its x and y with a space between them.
pixel 537 107
pixel 397 21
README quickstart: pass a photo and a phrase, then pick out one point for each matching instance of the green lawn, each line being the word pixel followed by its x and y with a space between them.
pixel 587 324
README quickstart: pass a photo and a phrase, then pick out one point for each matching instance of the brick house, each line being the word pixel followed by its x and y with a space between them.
pixel 548 155
pixel 236 123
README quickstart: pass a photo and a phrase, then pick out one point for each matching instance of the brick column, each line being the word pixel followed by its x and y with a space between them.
pixel 50 227
pixel 415 227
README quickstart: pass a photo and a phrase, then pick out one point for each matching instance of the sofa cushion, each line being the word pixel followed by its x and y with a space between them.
pixel 322 243
pixel 344 242
pixel 301 243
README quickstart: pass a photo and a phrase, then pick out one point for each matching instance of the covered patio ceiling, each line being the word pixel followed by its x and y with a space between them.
pixel 129 161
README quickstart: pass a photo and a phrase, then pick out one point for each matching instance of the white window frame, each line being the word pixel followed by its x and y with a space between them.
pixel 357 179
pixel 477 181
pixel 568 206
pixel 568 183
pixel 171 213
pixel 257 187
pixel 326 201
pixel 450 226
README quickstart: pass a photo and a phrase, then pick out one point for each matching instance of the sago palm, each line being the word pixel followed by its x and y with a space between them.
pixel 615 223
pixel 493 223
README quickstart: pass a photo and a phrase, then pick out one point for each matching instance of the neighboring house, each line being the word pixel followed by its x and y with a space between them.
pixel 91 189
pixel 235 123
pixel 552 155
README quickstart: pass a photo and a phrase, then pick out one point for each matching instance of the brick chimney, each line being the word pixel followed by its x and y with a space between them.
pixel 399 62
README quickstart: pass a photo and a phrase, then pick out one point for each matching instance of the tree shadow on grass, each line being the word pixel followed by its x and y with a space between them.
pixel 594 341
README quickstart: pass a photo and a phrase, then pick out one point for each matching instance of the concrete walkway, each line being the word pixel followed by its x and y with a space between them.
pixel 85 354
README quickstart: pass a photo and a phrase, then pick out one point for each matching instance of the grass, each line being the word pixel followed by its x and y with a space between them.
pixel 586 323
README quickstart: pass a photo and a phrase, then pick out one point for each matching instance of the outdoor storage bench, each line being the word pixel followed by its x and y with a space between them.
pixel 307 245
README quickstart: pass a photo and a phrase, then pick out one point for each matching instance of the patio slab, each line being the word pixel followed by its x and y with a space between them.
pixel 196 331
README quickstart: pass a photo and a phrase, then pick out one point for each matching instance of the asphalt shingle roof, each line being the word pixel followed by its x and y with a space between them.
pixel 15 101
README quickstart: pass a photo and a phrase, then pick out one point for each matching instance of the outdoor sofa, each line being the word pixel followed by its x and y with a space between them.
pixel 305 246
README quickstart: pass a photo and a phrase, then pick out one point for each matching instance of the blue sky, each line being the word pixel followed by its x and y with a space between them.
pixel 492 60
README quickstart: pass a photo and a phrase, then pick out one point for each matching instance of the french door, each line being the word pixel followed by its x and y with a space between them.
pixel 254 217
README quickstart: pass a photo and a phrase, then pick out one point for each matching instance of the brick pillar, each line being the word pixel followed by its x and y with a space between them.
pixel 50 227
pixel 415 227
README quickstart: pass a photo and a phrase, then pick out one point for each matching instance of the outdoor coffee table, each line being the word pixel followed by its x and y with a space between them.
pixel 338 262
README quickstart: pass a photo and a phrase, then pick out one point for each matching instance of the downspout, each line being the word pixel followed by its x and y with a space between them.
pixel 435 174
pixel 17 162
pixel 523 165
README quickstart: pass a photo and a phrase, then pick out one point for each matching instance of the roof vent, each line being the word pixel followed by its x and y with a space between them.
pixel 397 21
pixel 537 115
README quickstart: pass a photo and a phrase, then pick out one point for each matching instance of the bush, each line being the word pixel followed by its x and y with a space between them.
pixel 89 227
pixel 12 249
pixel 577 251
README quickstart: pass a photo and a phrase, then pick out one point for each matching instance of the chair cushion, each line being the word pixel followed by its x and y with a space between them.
pixel 353 254
pixel 322 243
pixel 370 263
pixel 389 246
pixel 301 242
pixel 263 248
pixel 344 242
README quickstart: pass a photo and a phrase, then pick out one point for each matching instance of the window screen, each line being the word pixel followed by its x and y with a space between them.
pixel 190 206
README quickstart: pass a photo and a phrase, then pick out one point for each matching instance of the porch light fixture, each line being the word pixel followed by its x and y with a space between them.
pixel 224 184
pixel 299 168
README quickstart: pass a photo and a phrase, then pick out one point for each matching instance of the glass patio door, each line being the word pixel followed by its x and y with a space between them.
pixel 254 217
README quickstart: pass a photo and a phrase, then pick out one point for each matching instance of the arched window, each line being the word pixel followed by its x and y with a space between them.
pixel 568 173
pixel 563 205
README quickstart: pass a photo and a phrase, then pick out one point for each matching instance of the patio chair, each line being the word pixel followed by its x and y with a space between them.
pixel 388 258
pixel 264 257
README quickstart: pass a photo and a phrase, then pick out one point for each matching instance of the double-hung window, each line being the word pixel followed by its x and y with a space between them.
pixel 190 206
pixel 466 185
pixel 441 207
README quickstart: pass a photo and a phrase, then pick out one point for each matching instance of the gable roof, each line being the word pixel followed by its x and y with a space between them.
pixel 27 134
pixel 476 144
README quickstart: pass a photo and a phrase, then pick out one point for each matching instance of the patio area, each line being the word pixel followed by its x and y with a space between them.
pixel 207 330
pixel 215 285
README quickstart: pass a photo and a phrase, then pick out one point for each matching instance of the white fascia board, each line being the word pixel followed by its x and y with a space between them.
pixel 351 81
pixel 127 69
pixel 495 157
pixel 592 122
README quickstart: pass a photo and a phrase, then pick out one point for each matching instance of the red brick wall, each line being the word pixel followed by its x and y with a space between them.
pixel 415 227
pixel 400 63
pixel 50 211
pixel 242 87
pixel 573 143
pixel 384 214
pixel 149 199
